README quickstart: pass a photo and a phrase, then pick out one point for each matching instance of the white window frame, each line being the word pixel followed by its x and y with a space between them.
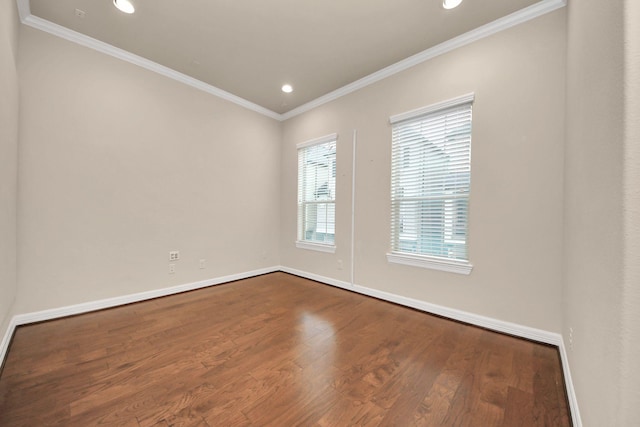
pixel 425 260
pixel 302 242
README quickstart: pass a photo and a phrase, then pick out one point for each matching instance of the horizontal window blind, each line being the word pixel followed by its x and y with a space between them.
pixel 430 180
pixel 316 190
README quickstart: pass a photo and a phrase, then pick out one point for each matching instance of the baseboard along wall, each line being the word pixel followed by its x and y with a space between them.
pixel 501 326
pixel 87 307
pixel 509 328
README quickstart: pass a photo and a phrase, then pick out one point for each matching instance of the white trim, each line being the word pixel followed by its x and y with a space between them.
pixel 55 313
pixel 466 317
pixel 6 339
pixel 24 9
pixel 501 326
pixel 463 316
pixel 451 313
pixel 509 328
pixel 538 9
pixel 449 265
pixel 322 279
pixel 541 8
pixel 39 316
pixel 317 141
pixel 300 244
pixel 571 392
pixel 423 111
pixel 86 41
pixel 353 207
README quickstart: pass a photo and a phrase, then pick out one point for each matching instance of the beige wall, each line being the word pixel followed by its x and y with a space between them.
pixel 630 370
pixel 8 157
pixel 119 165
pixel 515 237
pixel 601 210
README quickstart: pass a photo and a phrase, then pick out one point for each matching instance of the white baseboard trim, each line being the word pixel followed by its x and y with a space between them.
pixel 451 313
pixel 466 317
pixel 55 313
pixel 515 329
pixel 6 339
pixel 71 310
pixel 571 391
pixel 317 278
pixel 463 316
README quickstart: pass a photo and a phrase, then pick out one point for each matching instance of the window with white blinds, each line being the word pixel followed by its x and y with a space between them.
pixel 317 193
pixel 430 180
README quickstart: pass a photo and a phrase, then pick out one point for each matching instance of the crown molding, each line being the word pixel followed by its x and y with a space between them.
pixel 538 9
pixel 24 9
pixel 86 41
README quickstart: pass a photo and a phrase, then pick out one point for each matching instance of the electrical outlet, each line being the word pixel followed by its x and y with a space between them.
pixel 174 255
pixel 201 264
pixel 172 268
pixel 339 264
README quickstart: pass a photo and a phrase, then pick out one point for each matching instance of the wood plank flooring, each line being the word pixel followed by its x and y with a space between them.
pixel 275 350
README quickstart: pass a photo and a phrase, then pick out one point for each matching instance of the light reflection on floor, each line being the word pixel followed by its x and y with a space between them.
pixel 317 359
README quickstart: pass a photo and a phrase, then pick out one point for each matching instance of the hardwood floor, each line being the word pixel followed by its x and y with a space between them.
pixel 275 350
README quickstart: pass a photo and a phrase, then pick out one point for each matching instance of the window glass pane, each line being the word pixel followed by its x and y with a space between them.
pixel 316 192
pixel 430 180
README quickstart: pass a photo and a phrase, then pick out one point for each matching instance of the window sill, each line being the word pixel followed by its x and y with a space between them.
pixel 316 247
pixel 442 264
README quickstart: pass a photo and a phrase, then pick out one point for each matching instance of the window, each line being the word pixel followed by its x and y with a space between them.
pixel 430 179
pixel 317 194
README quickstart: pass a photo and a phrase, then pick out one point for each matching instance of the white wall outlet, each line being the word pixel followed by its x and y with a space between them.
pixel 174 255
pixel 172 268
pixel 201 263
pixel 339 264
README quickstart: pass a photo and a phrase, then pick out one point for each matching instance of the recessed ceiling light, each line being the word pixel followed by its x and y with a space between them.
pixel 450 4
pixel 124 5
pixel 287 88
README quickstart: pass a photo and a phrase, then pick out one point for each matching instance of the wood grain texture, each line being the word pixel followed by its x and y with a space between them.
pixel 275 350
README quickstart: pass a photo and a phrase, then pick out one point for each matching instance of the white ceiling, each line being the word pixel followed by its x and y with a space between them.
pixel 250 48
